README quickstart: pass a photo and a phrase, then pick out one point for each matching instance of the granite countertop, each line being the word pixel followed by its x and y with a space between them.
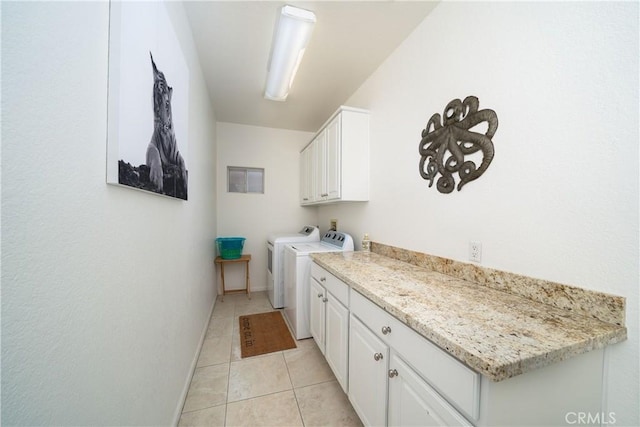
pixel 496 333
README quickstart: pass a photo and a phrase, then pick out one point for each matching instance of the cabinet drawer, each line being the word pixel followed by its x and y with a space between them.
pixel 331 283
pixel 455 381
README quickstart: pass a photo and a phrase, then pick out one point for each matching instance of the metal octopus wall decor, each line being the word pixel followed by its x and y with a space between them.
pixel 454 138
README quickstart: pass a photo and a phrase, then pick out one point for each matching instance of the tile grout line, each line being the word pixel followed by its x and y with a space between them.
pixel 226 400
pixel 293 389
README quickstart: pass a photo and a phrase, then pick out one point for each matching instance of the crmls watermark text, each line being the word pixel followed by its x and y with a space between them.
pixel 590 418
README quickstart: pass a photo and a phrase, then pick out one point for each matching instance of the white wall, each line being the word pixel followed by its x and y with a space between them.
pixel 255 216
pixel 105 290
pixel 560 200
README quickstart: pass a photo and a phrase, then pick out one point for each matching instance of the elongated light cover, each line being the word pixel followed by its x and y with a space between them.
pixel 290 39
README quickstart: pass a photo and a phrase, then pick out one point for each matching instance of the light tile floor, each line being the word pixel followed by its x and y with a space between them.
pixel 288 388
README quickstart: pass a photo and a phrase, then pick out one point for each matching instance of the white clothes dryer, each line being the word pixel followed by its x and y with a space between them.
pixel 297 267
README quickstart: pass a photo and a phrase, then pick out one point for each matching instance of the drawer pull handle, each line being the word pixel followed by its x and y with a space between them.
pixel 323 279
pixel 320 295
pixel 324 300
pixel 393 373
pixel 386 330
pixel 377 357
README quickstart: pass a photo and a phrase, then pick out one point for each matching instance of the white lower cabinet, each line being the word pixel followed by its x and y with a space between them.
pixel 317 296
pixel 336 345
pixel 393 373
pixel 368 358
pixel 412 402
pixel 385 390
pixel 329 321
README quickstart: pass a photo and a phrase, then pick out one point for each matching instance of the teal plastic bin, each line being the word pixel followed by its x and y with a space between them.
pixel 230 247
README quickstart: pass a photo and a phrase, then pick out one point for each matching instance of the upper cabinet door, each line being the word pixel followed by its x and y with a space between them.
pixel 333 159
pixel 339 161
pixel 305 176
pixel 321 166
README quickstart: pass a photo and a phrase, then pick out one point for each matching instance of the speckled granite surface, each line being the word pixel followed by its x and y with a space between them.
pixel 496 333
pixel 599 305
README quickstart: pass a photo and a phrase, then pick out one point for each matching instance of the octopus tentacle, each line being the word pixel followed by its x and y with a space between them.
pixel 487 115
pixel 457 157
pixel 434 121
pixel 469 171
pixel 446 183
pixel 472 104
pixel 428 148
pixel 428 137
pixel 430 171
pixel 430 141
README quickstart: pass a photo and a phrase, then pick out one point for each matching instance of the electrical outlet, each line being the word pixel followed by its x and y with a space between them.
pixel 334 225
pixel 475 251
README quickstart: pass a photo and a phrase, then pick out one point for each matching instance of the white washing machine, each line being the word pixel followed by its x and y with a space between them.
pixel 297 267
pixel 275 260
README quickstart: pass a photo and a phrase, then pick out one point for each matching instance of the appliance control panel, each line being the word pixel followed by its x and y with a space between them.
pixel 338 239
pixel 307 230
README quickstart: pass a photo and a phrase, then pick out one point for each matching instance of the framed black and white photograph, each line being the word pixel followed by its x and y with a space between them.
pixel 147 136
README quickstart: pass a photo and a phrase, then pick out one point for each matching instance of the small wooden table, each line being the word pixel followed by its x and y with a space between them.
pixel 244 258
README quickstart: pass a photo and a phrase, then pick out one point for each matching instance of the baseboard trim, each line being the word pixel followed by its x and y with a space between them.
pixel 194 362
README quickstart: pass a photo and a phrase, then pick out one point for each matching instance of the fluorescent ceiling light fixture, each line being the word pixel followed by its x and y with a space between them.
pixel 290 39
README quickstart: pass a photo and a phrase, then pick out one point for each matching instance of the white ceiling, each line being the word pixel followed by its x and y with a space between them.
pixel 349 41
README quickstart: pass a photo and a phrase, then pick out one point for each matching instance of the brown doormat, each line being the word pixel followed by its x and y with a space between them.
pixel 264 333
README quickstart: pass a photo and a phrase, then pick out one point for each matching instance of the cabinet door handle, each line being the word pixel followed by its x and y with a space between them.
pixel 320 295
pixel 393 373
pixel 324 300
pixel 324 194
pixel 386 330
pixel 377 357
pixel 323 279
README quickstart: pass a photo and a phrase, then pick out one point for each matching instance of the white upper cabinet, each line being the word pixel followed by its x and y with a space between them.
pixel 319 166
pixel 335 164
pixel 333 160
pixel 306 182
